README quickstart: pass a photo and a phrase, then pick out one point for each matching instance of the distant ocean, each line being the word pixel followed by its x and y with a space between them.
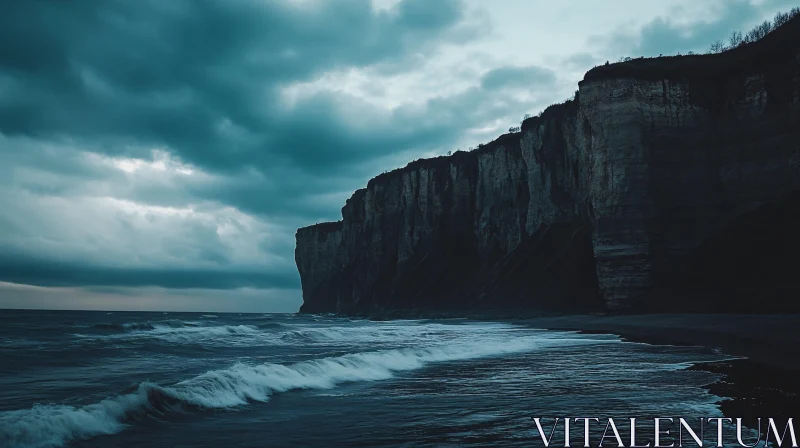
pixel 131 379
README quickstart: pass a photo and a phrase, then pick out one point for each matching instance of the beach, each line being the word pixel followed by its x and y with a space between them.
pixel 763 383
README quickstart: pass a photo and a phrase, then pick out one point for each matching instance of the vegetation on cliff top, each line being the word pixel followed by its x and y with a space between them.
pixel 767 42
pixel 737 39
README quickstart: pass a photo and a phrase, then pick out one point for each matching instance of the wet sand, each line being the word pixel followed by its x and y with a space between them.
pixel 765 384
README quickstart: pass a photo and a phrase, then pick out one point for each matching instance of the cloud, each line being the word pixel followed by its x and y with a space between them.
pixel 153 144
pixel 580 61
pixel 19 296
pixel 205 79
pixel 41 272
pixel 200 77
pixel 668 36
pixel 100 240
pixel 518 77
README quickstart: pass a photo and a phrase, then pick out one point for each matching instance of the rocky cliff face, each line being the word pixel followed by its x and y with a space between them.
pixel 601 202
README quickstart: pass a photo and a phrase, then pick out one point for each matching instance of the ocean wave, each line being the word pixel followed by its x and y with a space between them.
pixel 147 325
pixel 187 332
pixel 351 335
pixel 395 333
pixel 217 334
pixel 55 425
pixel 172 331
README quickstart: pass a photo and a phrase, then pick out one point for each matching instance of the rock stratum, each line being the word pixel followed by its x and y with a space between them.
pixel 666 184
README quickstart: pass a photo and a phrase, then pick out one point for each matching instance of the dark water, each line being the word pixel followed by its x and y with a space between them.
pixel 96 379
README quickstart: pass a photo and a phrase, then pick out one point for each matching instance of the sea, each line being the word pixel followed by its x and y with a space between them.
pixel 153 379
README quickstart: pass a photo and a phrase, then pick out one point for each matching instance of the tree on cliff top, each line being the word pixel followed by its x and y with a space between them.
pixel 757 33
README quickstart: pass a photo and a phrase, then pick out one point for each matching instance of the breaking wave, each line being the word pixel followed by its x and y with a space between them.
pixel 190 332
pixel 395 333
pixel 134 326
pixel 56 425
pixel 173 331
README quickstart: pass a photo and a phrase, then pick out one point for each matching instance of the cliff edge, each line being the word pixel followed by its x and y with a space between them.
pixel 667 183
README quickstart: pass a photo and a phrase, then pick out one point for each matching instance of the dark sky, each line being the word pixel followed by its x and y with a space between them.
pixel 160 154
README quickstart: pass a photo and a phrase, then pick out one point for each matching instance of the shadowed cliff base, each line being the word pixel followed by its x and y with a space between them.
pixel 666 184
pixel 550 270
pixel 750 265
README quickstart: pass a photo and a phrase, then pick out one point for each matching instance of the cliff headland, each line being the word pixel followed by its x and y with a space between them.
pixel 665 184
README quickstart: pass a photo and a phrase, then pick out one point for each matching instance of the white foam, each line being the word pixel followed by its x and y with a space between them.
pixel 396 333
pixel 188 332
pixel 55 425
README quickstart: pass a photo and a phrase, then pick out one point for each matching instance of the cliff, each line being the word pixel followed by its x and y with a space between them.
pixel 657 187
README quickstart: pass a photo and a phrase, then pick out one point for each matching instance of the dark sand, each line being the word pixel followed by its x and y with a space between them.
pixel 766 384
pixel 771 339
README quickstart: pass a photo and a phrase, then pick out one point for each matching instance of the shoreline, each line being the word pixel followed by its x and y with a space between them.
pixel 761 383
